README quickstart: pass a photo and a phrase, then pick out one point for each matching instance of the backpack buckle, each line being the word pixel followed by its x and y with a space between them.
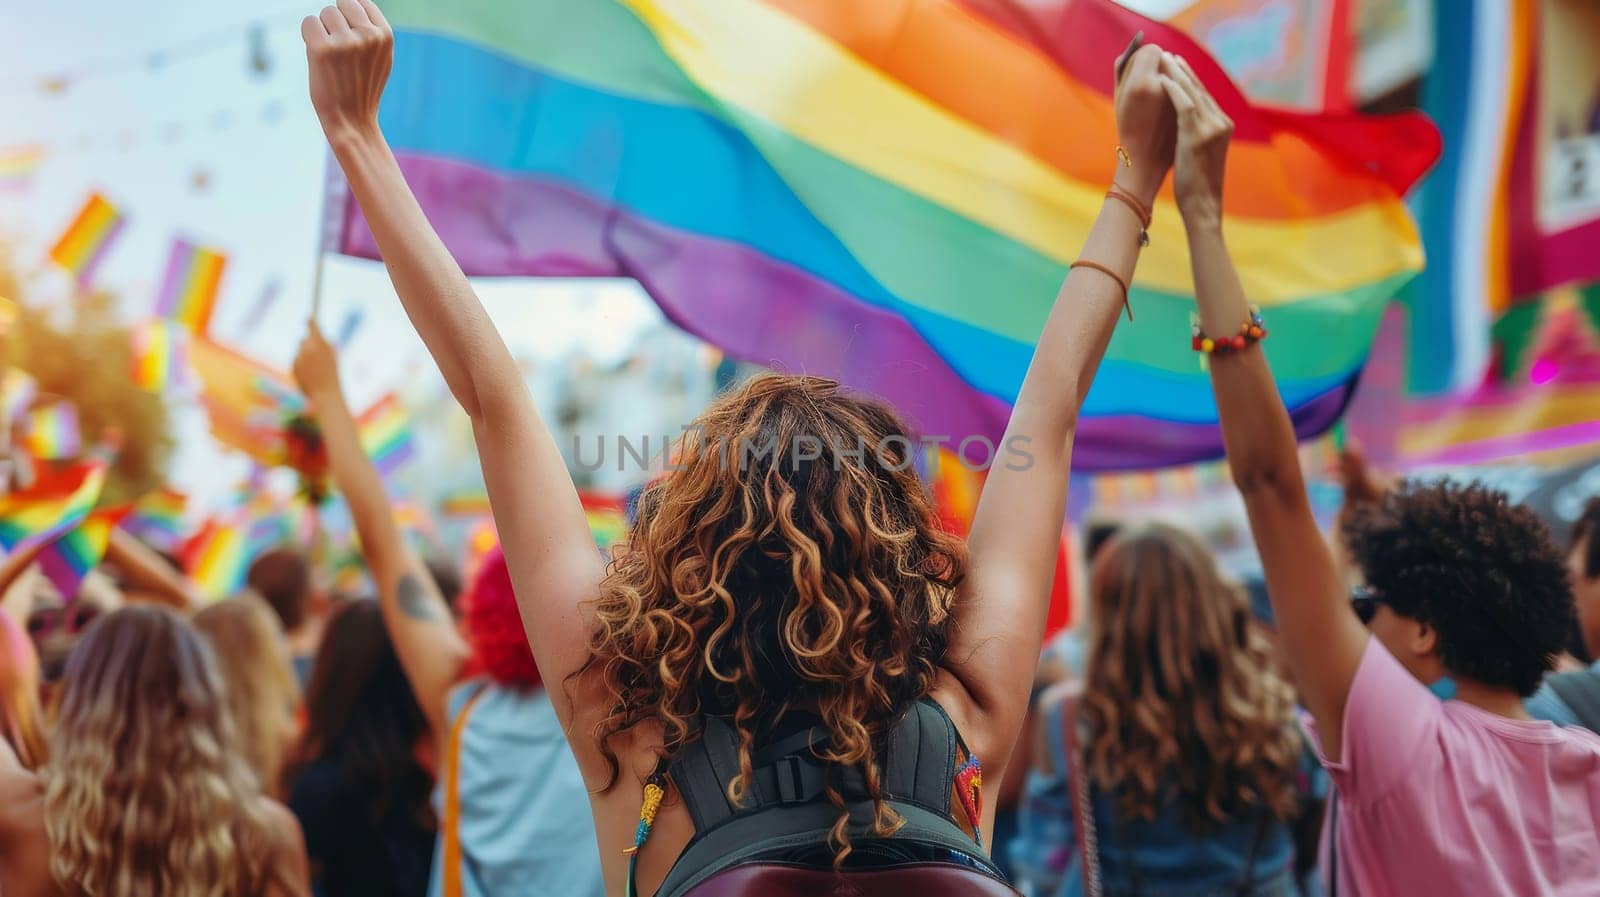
pixel 791 788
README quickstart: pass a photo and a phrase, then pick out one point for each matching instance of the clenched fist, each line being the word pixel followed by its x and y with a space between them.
pixel 350 49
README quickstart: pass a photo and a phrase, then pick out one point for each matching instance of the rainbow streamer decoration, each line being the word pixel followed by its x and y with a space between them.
pixel 215 558
pixel 52 432
pixel 189 287
pixel 157 355
pixel 386 435
pixel 158 517
pixel 888 193
pixel 59 499
pixel 84 244
pixel 66 560
pixel 17 166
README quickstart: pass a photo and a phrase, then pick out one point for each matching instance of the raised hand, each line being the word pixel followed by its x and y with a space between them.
pixel 350 49
pixel 1146 125
pixel 316 366
pixel 1204 131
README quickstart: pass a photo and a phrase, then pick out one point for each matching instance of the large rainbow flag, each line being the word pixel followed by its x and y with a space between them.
pixel 888 193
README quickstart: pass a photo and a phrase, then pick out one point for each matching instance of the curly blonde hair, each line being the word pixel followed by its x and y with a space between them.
pixel 258 678
pixel 1183 699
pixel 789 560
pixel 145 794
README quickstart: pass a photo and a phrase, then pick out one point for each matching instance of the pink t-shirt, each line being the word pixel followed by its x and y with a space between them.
pixel 1444 798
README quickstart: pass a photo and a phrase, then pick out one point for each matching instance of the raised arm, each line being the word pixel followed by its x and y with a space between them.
pixel 548 547
pixel 1000 613
pixel 431 651
pixel 149 572
pixel 1321 638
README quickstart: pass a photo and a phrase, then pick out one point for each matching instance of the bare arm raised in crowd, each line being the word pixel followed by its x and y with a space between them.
pixel 1000 614
pixel 1322 639
pixel 553 565
pixel 431 651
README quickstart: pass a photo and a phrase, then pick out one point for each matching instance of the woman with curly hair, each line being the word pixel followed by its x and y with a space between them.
pixel 145 793
pixel 1183 734
pixel 789 660
pixel 1464 796
pixel 510 798
pixel 248 642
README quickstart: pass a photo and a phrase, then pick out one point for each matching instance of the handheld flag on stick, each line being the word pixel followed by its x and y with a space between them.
pixel 66 560
pixel 84 244
pixel 189 287
pixel 157 355
pixel 59 499
pixel 158 517
pixel 215 558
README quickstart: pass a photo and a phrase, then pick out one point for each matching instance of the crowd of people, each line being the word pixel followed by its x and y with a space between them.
pixel 790 672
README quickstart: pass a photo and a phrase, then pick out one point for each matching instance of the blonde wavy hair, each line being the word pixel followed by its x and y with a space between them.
pixel 1183 699
pixel 247 639
pixel 790 560
pixel 145 793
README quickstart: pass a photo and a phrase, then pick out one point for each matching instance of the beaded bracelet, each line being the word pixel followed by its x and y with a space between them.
pixel 1250 333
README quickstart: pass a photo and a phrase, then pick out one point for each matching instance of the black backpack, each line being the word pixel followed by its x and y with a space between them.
pixel 775 843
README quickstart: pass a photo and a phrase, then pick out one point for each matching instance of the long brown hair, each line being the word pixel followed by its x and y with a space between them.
pixel 1183 699
pixel 790 560
pixel 362 717
pixel 145 792
pixel 253 658
pixel 21 722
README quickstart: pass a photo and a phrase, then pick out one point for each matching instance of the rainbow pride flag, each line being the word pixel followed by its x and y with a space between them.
pixel 157 355
pixel 465 503
pixel 52 432
pixel 83 246
pixel 188 292
pixel 158 516
pixel 17 166
pixel 386 435
pixel 607 516
pixel 215 558
pixel 18 389
pixel 66 560
pixel 888 193
pixel 60 497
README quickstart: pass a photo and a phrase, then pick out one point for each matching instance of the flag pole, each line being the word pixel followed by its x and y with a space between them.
pixel 335 196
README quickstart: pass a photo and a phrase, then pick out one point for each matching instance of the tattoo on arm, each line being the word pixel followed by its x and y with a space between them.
pixel 414 600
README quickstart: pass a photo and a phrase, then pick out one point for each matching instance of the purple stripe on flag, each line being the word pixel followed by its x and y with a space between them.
pixel 93 264
pixel 518 225
pixel 179 261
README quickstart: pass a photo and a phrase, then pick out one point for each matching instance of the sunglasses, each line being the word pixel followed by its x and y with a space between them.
pixel 75 619
pixel 1364 600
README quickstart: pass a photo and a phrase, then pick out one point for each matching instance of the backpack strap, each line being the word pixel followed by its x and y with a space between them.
pixel 1580 691
pixel 450 858
pixel 1078 785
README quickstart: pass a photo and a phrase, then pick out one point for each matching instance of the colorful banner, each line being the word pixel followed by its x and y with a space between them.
pixel 845 188
pixel 84 244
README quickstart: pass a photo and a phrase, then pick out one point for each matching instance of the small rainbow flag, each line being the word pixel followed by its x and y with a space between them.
pixel 215 558
pixel 158 517
pixel 189 288
pixel 17 391
pixel 66 560
pixel 956 487
pixel 386 435
pixel 157 355
pixel 17 166
pixel 608 520
pixel 52 432
pixel 58 500
pixel 83 246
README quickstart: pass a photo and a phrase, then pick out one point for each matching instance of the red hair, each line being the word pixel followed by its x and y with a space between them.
pixel 493 628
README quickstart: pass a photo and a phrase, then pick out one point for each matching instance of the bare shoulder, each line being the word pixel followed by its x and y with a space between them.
pixel 288 870
pixel 24 843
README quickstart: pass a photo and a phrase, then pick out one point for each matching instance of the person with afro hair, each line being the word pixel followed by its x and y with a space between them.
pixel 511 801
pixel 1466 796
